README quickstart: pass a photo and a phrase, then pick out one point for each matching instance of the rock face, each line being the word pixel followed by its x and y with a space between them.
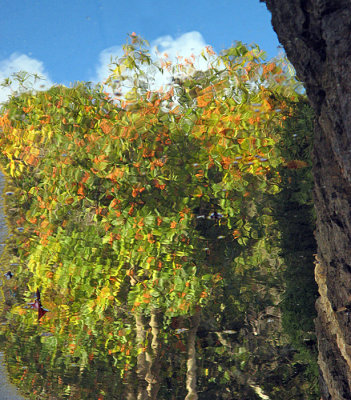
pixel 316 35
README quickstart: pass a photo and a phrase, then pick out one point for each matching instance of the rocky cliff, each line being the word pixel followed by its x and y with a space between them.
pixel 316 37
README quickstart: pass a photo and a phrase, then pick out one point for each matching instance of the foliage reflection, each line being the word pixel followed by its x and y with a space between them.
pixel 146 234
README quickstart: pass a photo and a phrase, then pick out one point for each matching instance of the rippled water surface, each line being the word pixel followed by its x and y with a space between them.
pixel 158 264
pixel 7 390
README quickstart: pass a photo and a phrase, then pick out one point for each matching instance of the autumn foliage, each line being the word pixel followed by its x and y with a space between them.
pixel 126 206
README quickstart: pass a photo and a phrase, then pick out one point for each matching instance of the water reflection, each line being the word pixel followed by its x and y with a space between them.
pixel 151 300
pixel 36 305
pixel 8 275
pixel 77 351
pixel 7 390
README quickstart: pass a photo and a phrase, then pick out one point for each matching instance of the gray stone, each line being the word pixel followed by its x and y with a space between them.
pixel 316 36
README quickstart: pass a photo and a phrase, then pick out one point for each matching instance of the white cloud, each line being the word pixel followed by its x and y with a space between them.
pixel 105 57
pixel 17 63
pixel 187 46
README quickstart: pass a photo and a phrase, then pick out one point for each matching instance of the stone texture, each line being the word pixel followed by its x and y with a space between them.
pixel 316 35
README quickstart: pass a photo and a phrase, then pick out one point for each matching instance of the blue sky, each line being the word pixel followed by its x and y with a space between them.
pixel 72 40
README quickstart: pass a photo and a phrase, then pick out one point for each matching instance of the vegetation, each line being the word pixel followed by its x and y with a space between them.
pixel 153 228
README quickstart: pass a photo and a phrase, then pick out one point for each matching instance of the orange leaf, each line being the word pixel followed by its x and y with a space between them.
pixel 106 126
pixel 158 185
pixel 139 235
pixel 81 189
pixel 136 191
pixel 236 233
pixel 32 160
pixel 99 159
pixel 203 101
pixel 114 202
pixel 115 174
pixel 85 177
pixel 131 210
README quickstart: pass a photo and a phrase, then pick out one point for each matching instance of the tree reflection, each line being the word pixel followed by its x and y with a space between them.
pixel 149 228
